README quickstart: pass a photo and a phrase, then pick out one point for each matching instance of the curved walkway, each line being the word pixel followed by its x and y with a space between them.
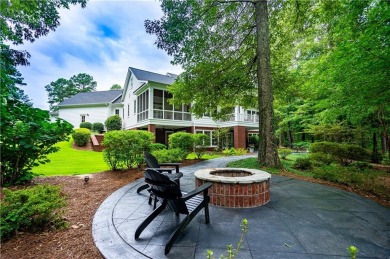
pixel 302 220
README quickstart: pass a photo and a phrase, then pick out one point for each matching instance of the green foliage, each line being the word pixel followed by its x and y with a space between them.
pixel 182 140
pixel 232 253
pixel 284 152
pixel 124 149
pixel 34 209
pixel 302 164
pixel 376 157
pixel 172 155
pixel 97 127
pixel 62 88
pixel 81 136
pixel 251 163
pixel 200 141
pixel 254 140
pixel 222 135
pixel 353 251
pixel 86 125
pixel 386 160
pixel 234 152
pixel 156 146
pixel 27 137
pixel 323 158
pixel 361 165
pixel 113 123
pixel 343 153
pixel 116 87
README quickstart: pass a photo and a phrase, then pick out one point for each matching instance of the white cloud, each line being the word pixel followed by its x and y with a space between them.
pixel 103 40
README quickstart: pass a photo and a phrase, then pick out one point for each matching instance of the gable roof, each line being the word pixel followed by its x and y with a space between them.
pixel 98 97
pixel 143 75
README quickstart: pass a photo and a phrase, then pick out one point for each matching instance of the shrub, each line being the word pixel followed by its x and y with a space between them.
pixel 172 155
pixel 254 140
pixel 284 152
pixel 113 123
pixel 182 140
pixel 124 149
pixel 156 146
pixel 81 136
pixel 321 158
pixel 234 152
pixel 361 165
pixel 200 141
pixel 98 127
pixel 385 160
pixel 301 145
pixel 34 209
pixel 343 153
pixel 302 163
pixel 27 137
pixel 86 125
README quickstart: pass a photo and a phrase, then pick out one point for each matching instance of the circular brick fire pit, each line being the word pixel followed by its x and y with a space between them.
pixel 235 187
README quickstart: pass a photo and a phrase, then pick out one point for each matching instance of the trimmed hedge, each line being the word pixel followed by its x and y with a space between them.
pixel 173 155
pixel 81 136
pixel 86 125
pixel 156 146
pixel 182 140
pixel 98 127
pixel 113 123
pixel 124 149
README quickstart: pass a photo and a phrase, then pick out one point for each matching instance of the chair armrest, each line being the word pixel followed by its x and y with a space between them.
pixel 174 176
pixel 169 170
pixel 176 165
pixel 198 190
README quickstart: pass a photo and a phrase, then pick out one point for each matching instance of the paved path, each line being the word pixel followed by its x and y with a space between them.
pixel 302 220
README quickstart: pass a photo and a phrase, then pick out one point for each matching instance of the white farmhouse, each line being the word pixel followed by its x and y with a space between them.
pixel 143 104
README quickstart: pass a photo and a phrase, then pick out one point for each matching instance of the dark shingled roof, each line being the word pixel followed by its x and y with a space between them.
pixel 111 96
pixel 150 76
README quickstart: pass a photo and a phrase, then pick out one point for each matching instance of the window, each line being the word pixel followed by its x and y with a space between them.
pixel 135 107
pixel 163 109
pixel 82 117
pixel 211 141
pixel 252 115
pixel 143 106
pixel 128 110
pixel 117 112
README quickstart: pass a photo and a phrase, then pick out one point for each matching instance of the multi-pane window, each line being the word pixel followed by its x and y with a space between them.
pixel 117 112
pixel 143 106
pixel 252 115
pixel 163 109
pixel 211 140
pixel 82 117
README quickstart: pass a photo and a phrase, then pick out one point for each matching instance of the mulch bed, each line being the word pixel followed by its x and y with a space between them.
pixel 83 201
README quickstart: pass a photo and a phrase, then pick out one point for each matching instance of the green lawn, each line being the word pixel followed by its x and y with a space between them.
pixel 69 161
pixel 207 156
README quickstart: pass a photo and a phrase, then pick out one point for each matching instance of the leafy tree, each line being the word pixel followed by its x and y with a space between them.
pixel 116 87
pixel 224 46
pixel 27 135
pixel 62 89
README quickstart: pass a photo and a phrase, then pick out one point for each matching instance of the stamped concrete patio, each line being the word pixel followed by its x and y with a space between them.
pixel 302 220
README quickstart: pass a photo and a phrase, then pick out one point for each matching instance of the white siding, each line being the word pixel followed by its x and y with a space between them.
pixel 92 114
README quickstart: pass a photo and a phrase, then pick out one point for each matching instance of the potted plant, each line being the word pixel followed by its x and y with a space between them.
pixel 251 148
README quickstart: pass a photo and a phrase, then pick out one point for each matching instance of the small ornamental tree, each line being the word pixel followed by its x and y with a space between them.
pixel 182 140
pixel 113 123
pixel 200 141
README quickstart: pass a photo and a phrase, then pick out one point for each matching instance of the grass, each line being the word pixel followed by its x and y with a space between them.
pixel 70 161
pixel 206 156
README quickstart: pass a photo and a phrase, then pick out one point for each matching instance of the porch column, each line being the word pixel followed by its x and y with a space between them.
pixel 152 128
pixel 239 137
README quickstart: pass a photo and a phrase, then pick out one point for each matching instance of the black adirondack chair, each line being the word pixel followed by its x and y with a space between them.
pixel 152 163
pixel 171 197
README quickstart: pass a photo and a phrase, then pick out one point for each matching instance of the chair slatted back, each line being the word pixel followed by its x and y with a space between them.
pixel 150 160
pixel 164 188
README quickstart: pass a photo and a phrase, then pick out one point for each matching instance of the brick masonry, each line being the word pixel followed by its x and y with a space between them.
pixel 241 195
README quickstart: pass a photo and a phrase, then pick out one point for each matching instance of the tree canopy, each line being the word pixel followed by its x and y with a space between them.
pixel 62 89
pixel 116 87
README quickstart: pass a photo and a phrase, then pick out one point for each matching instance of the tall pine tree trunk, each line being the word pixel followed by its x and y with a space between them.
pixel 268 153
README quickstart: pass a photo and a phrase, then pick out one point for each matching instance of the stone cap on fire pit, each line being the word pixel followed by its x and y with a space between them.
pixel 232 175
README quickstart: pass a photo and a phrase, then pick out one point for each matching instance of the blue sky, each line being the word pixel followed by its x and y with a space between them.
pixel 102 40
